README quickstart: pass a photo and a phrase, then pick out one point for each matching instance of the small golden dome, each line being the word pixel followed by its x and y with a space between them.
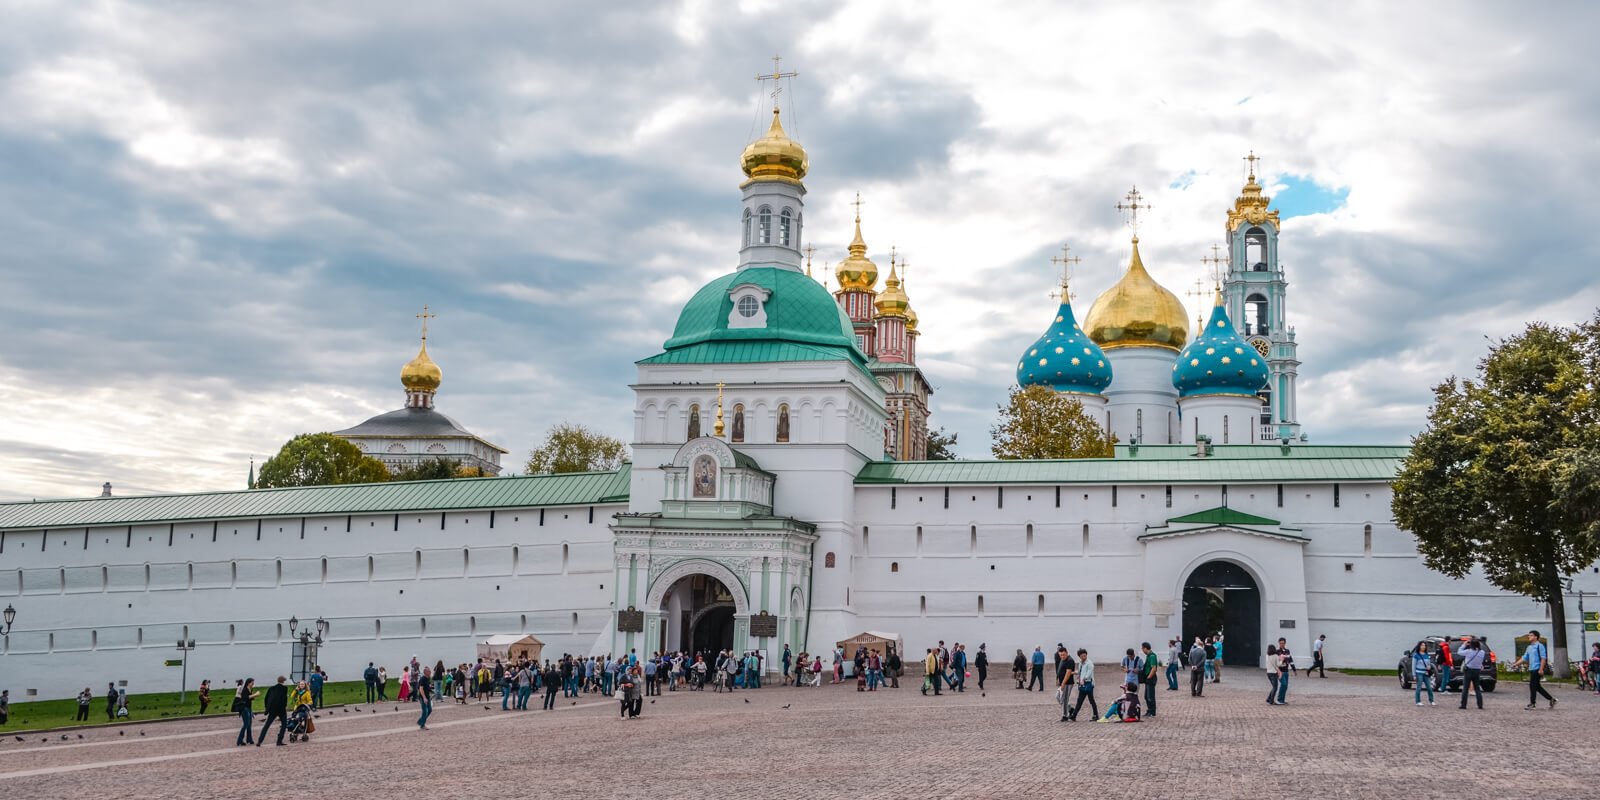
pixel 857 273
pixel 1137 312
pixel 775 156
pixel 420 374
pixel 911 319
pixel 892 301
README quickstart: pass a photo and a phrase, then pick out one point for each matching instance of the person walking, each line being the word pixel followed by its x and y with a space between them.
pixel 317 680
pixel 930 667
pixel 1472 657
pixel 1085 686
pixel 1174 658
pixel 1037 676
pixel 1197 669
pixel 1210 657
pixel 111 702
pixel 369 676
pixel 1152 666
pixel 982 663
pixel 894 666
pixel 276 707
pixel 1285 666
pixel 205 695
pixel 383 684
pixel 1216 666
pixel 405 685
pixel 244 698
pixel 1317 655
pixel 552 681
pixel 1068 672
pixel 788 657
pixel 1446 662
pixel 424 695
pixel 1273 664
pixel 1019 668
pixel 1422 669
pixel 958 664
pixel 5 706
pixel 1537 659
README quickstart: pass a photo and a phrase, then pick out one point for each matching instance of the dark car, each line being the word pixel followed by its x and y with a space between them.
pixel 1491 664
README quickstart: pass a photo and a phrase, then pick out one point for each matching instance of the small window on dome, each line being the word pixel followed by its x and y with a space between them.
pixel 748 306
pixel 766 224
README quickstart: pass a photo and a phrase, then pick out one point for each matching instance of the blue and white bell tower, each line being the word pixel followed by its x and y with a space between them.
pixel 1256 292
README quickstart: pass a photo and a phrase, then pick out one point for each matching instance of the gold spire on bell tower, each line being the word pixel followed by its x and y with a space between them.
pixel 856 272
pixel 1251 205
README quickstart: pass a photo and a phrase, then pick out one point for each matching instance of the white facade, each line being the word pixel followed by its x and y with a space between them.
pixel 1141 398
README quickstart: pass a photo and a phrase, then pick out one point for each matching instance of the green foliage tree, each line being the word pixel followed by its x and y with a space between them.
pixel 1504 477
pixel 433 469
pixel 1039 422
pixel 941 445
pixel 320 459
pixel 575 448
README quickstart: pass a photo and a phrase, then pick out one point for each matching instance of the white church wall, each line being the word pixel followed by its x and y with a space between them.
pixel 390 587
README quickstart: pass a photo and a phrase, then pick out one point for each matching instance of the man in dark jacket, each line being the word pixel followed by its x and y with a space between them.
pixel 276 706
pixel 371 677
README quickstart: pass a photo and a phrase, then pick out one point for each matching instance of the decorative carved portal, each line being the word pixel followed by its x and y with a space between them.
pixel 698 612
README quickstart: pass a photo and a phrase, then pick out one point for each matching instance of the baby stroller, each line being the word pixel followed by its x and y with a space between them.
pixel 300 725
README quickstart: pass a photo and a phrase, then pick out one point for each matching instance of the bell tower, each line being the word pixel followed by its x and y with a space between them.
pixel 1255 292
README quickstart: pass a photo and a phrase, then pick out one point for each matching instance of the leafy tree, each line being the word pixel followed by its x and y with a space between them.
pixel 1504 478
pixel 941 445
pixel 1039 422
pixel 575 448
pixel 435 469
pixel 320 459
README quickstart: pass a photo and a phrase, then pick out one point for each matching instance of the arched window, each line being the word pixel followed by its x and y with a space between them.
pixel 738 422
pixel 1255 315
pixel 1255 250
pixel 783 422
pixel 766 224
pixel 747 217
pixel 1366 540
pixel 785 227
pixel 694 421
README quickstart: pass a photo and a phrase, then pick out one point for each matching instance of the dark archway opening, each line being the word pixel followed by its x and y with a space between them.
pixel 1221 597
pixel 699 612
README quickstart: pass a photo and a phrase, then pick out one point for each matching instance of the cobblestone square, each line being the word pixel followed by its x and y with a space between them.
pixel 1339 737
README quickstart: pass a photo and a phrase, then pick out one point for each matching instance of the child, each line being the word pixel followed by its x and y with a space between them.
pixel 1125 708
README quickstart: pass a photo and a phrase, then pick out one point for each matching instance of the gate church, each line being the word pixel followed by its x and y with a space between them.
pixel 775 499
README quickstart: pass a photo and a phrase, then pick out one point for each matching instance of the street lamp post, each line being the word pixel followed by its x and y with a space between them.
pixel 10 617
pixel 184 646
pixel 1583 623
pixel 308 640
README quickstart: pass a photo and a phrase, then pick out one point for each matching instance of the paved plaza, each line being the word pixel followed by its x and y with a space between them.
pixel 1339 737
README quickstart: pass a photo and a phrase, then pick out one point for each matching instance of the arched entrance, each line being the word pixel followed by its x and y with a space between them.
pixel 697 615
pixel 1222 597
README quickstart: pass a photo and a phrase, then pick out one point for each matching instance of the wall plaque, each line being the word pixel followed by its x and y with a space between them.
pixel 763 625
pixel 1286 623
pixel 630 621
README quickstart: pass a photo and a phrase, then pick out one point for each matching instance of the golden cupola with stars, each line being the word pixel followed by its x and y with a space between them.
pixel 1138 312
pixel 775 157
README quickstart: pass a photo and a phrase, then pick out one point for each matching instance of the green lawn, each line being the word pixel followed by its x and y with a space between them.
pixel 1505 676
pixel 44 714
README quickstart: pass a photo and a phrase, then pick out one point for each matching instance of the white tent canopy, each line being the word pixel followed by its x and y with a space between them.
pixel 873 640
pixel 510 647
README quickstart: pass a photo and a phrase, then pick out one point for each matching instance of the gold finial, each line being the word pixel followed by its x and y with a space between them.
pixel 776 77
pixel 1251 206
pixel 1066 263
pixel 1214 263
pixel 716 428
pixel 1199 295
pixel 425 316
pixel 1133 207
pixel 809 251
pixel 1252 158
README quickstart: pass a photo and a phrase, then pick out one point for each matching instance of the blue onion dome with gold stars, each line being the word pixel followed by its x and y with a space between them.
pixel 1065 358
pixel 1218 361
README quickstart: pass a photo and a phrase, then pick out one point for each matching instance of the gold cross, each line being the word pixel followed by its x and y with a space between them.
pixel 425 316
pixel 1133 207
pixel 809 251
pixel 777 77
pixel 1199 294
pixel 718 427
pixel 892 257
pixel 1214 264
pixel 857 204
pixel 1252 158
pixel 904 269
pixel 1066 263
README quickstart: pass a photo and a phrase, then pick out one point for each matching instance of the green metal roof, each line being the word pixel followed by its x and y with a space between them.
pixel 1158 464
pixel 1222 515
pixel 523 491
pixel 798 310
pixel 756 352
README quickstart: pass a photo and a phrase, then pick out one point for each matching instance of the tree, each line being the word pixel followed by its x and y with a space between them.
pixel 434 469
pixel 320 459
pixel 941 445
pixel 1039 422
pixel 575 448
pixel 1503 478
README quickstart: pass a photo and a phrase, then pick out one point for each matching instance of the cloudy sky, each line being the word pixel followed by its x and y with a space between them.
pixel 218 220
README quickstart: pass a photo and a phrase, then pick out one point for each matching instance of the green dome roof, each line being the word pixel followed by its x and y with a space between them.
pixel 799 312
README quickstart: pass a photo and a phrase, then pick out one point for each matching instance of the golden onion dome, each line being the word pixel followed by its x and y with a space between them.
pixel 775 156
pixel 856 272
pixel 420 374
pixel 1137 312
pixel 892 301
pixel 911 319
